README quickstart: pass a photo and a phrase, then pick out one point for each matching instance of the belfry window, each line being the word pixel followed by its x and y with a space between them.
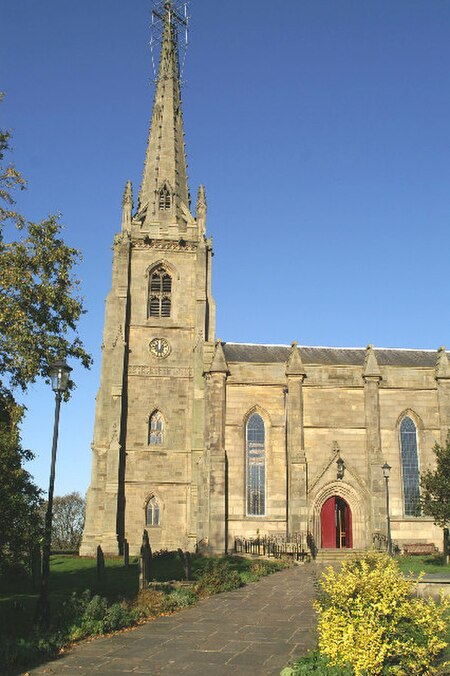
pixel 410 467
pixel 160 294
pixel 256 465
pixel 165 201
pixel 153 513
pixel 156 429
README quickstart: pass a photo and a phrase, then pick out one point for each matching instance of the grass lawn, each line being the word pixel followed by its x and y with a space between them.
pixel 426 564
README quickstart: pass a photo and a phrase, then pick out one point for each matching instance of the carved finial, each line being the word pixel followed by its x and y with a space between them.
pixel 294 365
pixel 219 363
pixel 442 364
pixel 201 209
pixel 127 207
pixel 371 368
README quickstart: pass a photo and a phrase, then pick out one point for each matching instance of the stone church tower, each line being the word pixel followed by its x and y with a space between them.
pixel 202 441
pixel 159 320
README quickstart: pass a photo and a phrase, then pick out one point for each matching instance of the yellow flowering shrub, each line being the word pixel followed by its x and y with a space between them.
pixel 370 620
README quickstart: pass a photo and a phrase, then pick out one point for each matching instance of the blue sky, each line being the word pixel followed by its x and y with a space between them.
pixel 321 131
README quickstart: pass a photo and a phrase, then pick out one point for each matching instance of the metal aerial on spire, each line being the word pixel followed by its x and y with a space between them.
pixel 178 11
pixel 165 168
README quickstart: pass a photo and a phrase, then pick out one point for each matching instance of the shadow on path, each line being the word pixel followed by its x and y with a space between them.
pixel 254 630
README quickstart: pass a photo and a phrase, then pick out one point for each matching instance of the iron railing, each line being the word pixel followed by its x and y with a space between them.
pixel 293 546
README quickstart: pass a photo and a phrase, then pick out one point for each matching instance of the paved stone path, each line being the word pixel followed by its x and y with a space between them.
pixel 254 630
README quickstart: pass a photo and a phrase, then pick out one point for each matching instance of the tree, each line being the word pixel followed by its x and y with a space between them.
pixel 40 306
pixel 20 526
pixel 40 303
pixel 10 179
pixel 68 521
pixel 436 491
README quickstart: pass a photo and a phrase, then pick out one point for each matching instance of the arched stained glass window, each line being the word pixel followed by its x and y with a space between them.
pixel 256 465
pixel 160 293
pixel 410 467
pixel 153 513
pixel 156 429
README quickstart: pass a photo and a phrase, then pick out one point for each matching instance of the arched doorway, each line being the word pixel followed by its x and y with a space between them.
pixel 336 524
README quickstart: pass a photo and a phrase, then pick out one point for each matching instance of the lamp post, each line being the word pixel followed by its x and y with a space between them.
pixel 286 455
pixel 386 473
pixel 59 376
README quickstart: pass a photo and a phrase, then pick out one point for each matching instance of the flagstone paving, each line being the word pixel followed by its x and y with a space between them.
pixel 254 630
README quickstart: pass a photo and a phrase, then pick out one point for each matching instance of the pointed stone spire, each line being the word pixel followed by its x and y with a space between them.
pixel 200 210
pixel 371 368
pixel 294 364
pixel 164 194
pixel 127 207
pixel 442 364
pixel 219 363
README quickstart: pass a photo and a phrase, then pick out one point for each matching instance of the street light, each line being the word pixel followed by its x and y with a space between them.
pixel 386 473
pixel 340 468
pixel 59 375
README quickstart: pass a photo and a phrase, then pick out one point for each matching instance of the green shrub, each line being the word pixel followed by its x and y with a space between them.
pixel 120 615
pixel 180 598
pixel 218 577
pixel 259 569
pixel 368 618
pixel 83 615
pixel 149 603
pixel 78 617
pixel 153 602
pixel 26 651
pixel 315 663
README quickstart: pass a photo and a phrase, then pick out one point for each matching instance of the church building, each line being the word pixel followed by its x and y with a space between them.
pixel 199 440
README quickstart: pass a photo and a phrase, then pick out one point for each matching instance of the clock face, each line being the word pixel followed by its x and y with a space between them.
pixel 159 347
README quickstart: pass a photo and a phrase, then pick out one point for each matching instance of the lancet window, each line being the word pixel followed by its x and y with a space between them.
pixel 153 512
pixel 156 429
pixel 410 467
pixel 165 201
pixel 256 465
pixel 160 293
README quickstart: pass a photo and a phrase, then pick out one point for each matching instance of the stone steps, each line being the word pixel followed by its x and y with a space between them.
pixel 337 555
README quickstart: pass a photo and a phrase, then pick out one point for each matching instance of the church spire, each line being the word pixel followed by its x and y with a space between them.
pixel 164 194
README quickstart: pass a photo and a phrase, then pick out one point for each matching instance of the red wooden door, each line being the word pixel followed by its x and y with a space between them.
pixel 328 523
pixel 336 527
pixel 348 526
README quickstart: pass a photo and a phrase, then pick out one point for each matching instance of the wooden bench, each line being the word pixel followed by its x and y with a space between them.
pixel 419 548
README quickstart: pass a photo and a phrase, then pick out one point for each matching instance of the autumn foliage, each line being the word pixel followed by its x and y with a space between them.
pixel 370 620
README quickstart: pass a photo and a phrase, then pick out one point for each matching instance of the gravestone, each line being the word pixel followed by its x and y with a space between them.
pixel 145 562
pixel 101 570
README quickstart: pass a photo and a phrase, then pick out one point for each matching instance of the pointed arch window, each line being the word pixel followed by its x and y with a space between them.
pixel 256 465
pixel 165 201
pixel 160 293
pixel 410 467
pixel 153 512
pixel 156 429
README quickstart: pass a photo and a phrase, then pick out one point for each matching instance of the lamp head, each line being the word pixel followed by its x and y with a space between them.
pixel 386 470
pixel 59 375
pixel 340 468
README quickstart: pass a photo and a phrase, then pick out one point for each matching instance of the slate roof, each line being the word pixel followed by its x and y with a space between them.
pixel 341 356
